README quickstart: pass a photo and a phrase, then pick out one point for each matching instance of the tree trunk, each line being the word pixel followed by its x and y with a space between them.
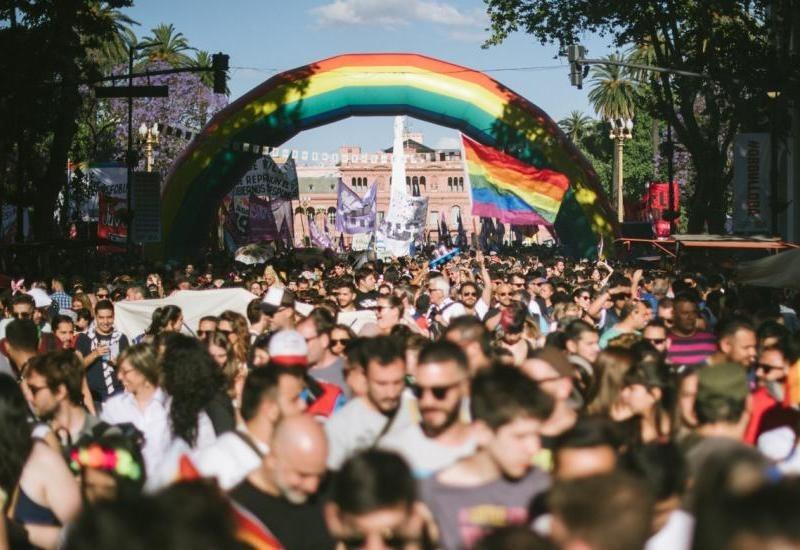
pixel 707 208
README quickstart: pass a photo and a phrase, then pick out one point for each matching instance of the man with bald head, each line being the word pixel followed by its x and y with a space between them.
pixel 282 493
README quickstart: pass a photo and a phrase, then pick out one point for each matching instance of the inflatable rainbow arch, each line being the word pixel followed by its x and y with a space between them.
pixel 378 85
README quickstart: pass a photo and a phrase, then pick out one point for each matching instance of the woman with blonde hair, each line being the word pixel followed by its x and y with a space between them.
pixel 271 279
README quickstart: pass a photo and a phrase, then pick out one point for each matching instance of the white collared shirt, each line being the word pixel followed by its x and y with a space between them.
pixel 153 422
pixel 229 459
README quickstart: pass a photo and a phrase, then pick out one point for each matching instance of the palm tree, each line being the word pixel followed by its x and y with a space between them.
pixel 614 92
pixel 613 97
pixel 202 59
pixel 167 45
pixel 577 126
pixel 114 51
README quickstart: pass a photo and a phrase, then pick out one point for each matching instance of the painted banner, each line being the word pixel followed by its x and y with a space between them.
pixel 267 179
pixel 751 188
pixel 403 227
pixel 319 238
pixel 353 213
pixel 261 221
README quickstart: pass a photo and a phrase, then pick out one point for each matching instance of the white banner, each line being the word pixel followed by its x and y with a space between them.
pixel 406 224
pixel 133 318
pixel 751 187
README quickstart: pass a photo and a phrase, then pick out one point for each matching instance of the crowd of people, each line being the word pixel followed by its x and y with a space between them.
pixel 504 401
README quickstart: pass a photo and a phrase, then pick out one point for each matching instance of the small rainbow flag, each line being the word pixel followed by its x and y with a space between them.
pixel 510 190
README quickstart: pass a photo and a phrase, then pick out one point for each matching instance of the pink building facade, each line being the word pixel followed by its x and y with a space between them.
pixel 436 174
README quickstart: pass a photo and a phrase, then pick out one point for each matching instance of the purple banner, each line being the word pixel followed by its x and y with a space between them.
pixel 354 214
pixel 262 220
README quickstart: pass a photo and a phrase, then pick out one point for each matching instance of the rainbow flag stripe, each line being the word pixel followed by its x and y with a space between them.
pixel 510 190
pixel 380 84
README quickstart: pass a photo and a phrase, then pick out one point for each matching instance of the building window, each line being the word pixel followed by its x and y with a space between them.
pixel 299 210
pixel 422 185
pixel 450 184
pixel 381 215
pixel 352 182
pixel 310 213
pixel 331 216
pixel 460 184
pixel 415 186
pixel 433 219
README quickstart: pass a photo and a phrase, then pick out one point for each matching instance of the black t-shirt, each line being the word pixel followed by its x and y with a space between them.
pixel 297 527
pixel 103 383
pixel 367 300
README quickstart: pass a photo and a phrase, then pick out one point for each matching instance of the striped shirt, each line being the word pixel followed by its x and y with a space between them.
pixel 691 350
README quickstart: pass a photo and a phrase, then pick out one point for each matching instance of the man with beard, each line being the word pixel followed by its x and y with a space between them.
pixel 442 436
pixel 494 486
pixel 767 409
pixel 364 421
pixel 282 492
pixel 53 387
pixel 345 292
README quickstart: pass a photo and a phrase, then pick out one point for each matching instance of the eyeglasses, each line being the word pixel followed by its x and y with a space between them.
pixel 656 341
pixel 21 314
pixel 438 392
pixel 468 294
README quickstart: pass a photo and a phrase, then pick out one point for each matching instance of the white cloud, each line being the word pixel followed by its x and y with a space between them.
pixel 393 13
pixel 445 142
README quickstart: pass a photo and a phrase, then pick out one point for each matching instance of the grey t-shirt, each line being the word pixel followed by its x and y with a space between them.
pixel 423 454
pixel 465 514
pixel 333 374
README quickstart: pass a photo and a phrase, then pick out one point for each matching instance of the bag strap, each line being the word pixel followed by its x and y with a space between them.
pixel 249 442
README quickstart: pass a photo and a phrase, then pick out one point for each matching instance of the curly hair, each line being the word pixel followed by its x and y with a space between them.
pixel 15 433
pixel 191 378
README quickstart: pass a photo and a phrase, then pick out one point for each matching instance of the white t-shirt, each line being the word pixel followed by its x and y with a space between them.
pixel 230 459
pixel 356 426
pixel 423 454
pixel 675 535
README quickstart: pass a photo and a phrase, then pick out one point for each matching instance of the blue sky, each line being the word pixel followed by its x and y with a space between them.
pixel 263 37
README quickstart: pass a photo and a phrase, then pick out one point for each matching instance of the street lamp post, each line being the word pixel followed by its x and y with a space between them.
pixel 621 129
pixel 149 137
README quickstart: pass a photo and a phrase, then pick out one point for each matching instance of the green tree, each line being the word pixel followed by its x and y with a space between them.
pixel 613 94
pixel 743 46
pixel 40 96
pixel 166 45
pixel 202 60
pixel 577 126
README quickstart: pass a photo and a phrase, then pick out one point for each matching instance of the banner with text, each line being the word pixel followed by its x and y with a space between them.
pixel 751 197
pixel 405 223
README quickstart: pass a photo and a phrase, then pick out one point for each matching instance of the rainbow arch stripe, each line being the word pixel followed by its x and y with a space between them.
pixel 378 85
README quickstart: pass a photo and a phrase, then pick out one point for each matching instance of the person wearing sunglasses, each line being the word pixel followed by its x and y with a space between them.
pixel 768 411
pixel 341 335
pixel 655 333
pixel 494 486
pixel 206 327
pixel 374 504
pixel 324 365
pixel 442 435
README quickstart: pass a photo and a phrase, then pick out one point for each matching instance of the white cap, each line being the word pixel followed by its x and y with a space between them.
pixel 288 348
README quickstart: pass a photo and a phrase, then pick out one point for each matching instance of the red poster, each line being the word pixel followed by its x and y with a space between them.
pixel 110 223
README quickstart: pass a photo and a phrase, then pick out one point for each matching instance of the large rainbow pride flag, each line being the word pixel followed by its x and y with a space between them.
pixel 510 190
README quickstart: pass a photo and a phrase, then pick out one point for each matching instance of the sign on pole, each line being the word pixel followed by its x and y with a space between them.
pixel 751 165
pixel 147 207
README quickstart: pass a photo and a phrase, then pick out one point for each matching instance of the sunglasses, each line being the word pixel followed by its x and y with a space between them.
pixel 339 341
pixel 438 392
pixel 202 333
pixel 225 332
pixel 466 294
pixel 766 367
pixel 656 341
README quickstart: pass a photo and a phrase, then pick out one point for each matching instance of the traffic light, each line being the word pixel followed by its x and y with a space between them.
pixel 577 70
pixel 219 64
